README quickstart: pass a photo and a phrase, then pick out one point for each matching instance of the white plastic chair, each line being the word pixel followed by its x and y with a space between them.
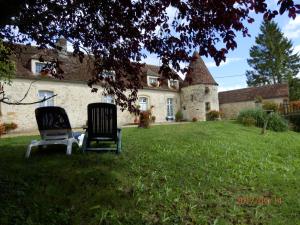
pixel 54 127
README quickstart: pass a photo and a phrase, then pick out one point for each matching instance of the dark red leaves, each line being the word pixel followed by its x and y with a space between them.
pixel 116 33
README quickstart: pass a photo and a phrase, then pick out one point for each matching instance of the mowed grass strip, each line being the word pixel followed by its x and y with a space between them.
pixel 197 173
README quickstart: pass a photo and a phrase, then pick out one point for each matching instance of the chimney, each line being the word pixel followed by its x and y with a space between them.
pixel 62 43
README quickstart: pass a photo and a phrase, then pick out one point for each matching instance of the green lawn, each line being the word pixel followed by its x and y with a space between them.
pixel 179 174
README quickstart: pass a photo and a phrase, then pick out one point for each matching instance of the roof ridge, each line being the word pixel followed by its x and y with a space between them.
pixel 254 87
pixel 198 73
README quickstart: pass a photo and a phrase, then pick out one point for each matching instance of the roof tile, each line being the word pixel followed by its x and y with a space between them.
pixel 249 94
pixel 198 72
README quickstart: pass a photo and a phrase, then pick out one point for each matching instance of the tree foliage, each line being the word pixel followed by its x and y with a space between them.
pixel 273 61
pixel 272 58
pixel 117 33
pixel 7 67
pixel 7 70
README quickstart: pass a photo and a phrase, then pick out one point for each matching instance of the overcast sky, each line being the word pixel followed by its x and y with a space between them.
pixel 231 74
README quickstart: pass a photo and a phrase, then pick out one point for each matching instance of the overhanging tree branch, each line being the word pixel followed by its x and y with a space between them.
pixel 5 99
pixel 27 103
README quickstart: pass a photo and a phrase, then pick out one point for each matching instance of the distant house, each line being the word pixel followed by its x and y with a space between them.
pixel 194 96
pixel 231 102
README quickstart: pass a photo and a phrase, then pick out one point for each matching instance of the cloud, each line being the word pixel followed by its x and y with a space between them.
pixel 228 61
pixel 152 59
pixel 233 87
pixel 297 49
pixel 171 12
pixel 292 29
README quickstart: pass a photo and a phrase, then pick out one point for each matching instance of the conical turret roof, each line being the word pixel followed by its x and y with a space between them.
pixel 198 73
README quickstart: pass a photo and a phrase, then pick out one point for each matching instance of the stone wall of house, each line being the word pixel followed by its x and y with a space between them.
pixel 194 98
pixel 231 110
pixel 74 98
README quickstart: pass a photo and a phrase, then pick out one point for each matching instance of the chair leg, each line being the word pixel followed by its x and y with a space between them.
pixel 28 151
pixel 69 147
pixel 119 143
pixel 32 144
pixel 84 142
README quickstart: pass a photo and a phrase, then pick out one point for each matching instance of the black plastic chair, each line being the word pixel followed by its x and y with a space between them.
pixel 54 127
pixel 102 127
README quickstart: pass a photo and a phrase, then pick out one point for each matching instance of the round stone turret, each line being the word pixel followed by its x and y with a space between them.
pixel 199 92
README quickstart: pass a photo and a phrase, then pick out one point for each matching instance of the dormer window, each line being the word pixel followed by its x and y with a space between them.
pixel 173 84
pixel 37 66
pixel 108 74
pixel 152 81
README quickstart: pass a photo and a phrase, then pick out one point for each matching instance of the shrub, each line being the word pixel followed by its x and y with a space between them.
pixel 10 126
pixel 178 116
pixel 145 119
pixel 194 119
pixel 213 115
pixel 257 114
pixel 258 99
pixel 277 123
pixel 257 117
pixel 153 118
pixel 248 121
pixel 270 106
pixel 2 129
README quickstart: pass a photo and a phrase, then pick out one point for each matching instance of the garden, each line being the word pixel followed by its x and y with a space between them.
pixel 214 172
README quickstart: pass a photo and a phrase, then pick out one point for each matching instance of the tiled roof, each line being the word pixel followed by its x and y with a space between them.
pixel 74 70
pixel 198 73
pixel 249 94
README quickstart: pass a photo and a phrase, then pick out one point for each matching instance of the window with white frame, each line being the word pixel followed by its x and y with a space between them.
pixel 37 66
pixel 44 95
pixel 108 99
pixel 170 108
pixel 152 81
pixel 143 103
pixel 108 74
pixel 174 84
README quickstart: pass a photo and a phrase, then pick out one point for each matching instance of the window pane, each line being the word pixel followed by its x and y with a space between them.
pixel 153 80
pixel 143 102
pixel 108 74
pixel 39 66
pixel 46 94
pixel 170 108
pixel 108 99
pixel 173 82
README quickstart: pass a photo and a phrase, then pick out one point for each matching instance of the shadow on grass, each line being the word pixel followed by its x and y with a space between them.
pixel 52 188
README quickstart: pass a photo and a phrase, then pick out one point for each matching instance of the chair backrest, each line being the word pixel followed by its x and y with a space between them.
pixel 53 121
pixel 102 120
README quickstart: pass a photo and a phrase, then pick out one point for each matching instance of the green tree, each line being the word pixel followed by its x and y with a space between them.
pixel 7 67
pixel 7 71
pixel 272 59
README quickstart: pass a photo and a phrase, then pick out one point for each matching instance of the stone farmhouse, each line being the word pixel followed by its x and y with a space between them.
pixel 196 95
pixel 195 98
pixel 232 102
